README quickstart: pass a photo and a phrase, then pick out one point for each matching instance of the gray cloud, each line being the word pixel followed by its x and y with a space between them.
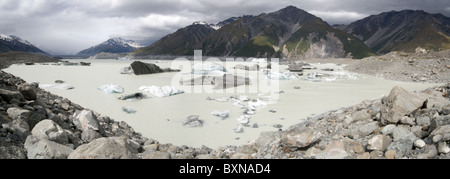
pixel 68 26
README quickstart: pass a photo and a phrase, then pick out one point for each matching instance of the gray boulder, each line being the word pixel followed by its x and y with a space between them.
pixel 85 119
pixel 334 150
pixel 105 148
pixel 19 127
pixel 193 121
pixel 266 138
pixel 400 103
pixel 364 130
pixel 156 155
pixel 28 91
pixel 300 137
pixel 403 141
pixel 89 135
pixel 442 132
pixel 379 142
pixel 17 113
pixel 47 129
pixel 44 149
pixel 141 68
pixel 361 115
pixel 8 96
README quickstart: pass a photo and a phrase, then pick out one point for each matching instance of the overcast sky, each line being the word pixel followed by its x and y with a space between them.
pixel 68 26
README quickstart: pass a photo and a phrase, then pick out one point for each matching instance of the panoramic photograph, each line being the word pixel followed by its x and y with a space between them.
pixel 198 79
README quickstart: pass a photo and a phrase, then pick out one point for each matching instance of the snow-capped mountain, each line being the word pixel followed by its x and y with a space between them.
pixel 113 45
pixel 218 25
pixel 13 43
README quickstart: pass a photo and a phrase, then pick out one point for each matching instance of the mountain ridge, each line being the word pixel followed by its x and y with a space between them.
pixel 11 43
pixel 277 34
pixel 112 45
pixel 403 31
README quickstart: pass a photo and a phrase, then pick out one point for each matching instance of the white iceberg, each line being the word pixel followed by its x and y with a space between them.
pixel 239 129
pixel 213 69
pixel 223 114
pixel 273 75
pixel 128 110
pixel 256 103
pixel 57 86
pixel 109 88
pixel 161 91
pixel 245 119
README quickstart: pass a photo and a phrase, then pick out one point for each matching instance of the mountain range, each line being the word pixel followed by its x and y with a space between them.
pixel 113 45
pixel 289 32
pixel 295 33
pixel 9 43
pixel 402 31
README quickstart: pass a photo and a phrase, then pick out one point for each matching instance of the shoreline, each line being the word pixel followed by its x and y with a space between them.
pixel 282 144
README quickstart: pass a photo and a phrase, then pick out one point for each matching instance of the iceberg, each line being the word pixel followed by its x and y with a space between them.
pixel 219 82
pixel 132 97
pixel 208 69
pixel 126 70
pixel 239 129
pixel 161 91
pixel 223 114
pixel 245 119
pixel 256 103
pixel 108 89
pixel 128 110
pixel 281 76
pixel 57 86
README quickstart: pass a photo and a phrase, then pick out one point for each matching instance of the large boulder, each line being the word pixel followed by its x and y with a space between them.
pixel 379 142
pixel 400 103
pixel 334 150
pixel 403 141
pixel 300 137
pixel 106 148
pixel 47 129
pixel 86 119
pixel 28 91
pixel 44 149
pixel 19 127
pixel 141 68
pixel 9 96
pixel 30 117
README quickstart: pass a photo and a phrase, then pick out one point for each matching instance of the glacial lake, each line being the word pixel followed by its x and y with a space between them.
pixel 161 118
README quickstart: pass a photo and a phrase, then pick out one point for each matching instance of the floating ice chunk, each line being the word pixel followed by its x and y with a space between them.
pixel 57 86
pixel 223 99
pixel 128 110
pixel 243 98
pixel 256 103
pixel 223 114
pixel 208 68
pixel 273 75
pixel 239 129
pixel 126 70
pixel 245 119
pixel 161 91
pixel 239 104
pixel 109 88
pixel 132 97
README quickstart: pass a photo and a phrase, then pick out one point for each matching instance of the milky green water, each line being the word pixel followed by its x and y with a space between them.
pixel 161 118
